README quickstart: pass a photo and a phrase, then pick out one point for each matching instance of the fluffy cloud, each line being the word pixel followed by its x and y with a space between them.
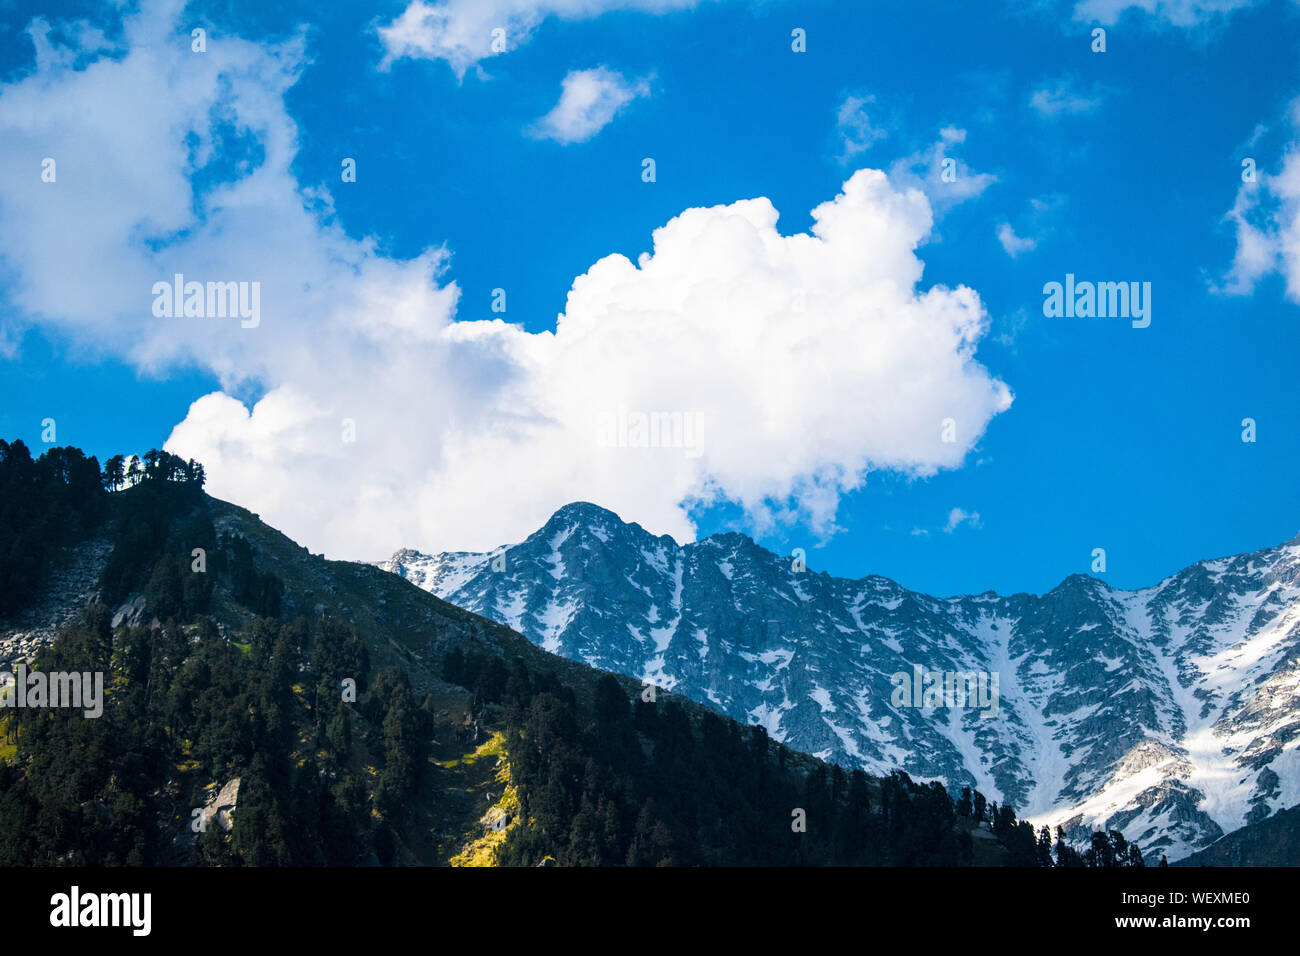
pixel 731 363
pixel 460 31
pixel 589 100
pixel 82 253
pixel 1266 219
pixel 796 363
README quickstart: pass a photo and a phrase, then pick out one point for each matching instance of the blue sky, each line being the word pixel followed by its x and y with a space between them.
pixel 1114 166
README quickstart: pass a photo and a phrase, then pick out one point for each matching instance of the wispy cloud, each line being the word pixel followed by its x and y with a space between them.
pixel 1062 98
pixel 1179 13
pixel 857 131
pixel 1034 225
pixel 589 101
pixel 958 517
pixel 939 174
pixel 1013 244
pixel 1265 217
pixel 465 32
pixel 1008 328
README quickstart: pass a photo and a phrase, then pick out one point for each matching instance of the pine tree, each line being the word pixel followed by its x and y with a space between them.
pixel 1066 855
pixel 114 472
pixel 964 806
pixel 1045 846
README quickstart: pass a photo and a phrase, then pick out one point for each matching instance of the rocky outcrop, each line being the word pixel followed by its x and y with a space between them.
pixel 69 583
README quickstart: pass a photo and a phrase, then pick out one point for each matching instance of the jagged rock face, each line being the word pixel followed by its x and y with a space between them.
pixel 217 812
pixel 221 806
pixel 70 583
pixel 1171 713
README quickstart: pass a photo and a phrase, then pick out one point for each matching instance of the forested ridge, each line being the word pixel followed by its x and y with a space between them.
pixel 352 733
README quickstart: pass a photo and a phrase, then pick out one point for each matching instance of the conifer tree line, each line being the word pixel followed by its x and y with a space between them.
pixel 649 783
pixel 61 499
pixel 1108 849
pixel 46 503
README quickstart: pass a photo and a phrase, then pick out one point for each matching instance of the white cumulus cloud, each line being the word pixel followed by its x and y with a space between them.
pixel 799 363
pixel 806 360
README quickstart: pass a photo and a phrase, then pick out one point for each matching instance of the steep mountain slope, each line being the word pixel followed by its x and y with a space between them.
pixel 1274 841
pixel 1171 713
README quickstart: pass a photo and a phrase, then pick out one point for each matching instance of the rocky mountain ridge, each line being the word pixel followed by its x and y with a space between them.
pixel 1170 712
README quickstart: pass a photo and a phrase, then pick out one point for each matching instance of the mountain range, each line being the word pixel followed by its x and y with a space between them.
pixel 1170 713
pixel 263 706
